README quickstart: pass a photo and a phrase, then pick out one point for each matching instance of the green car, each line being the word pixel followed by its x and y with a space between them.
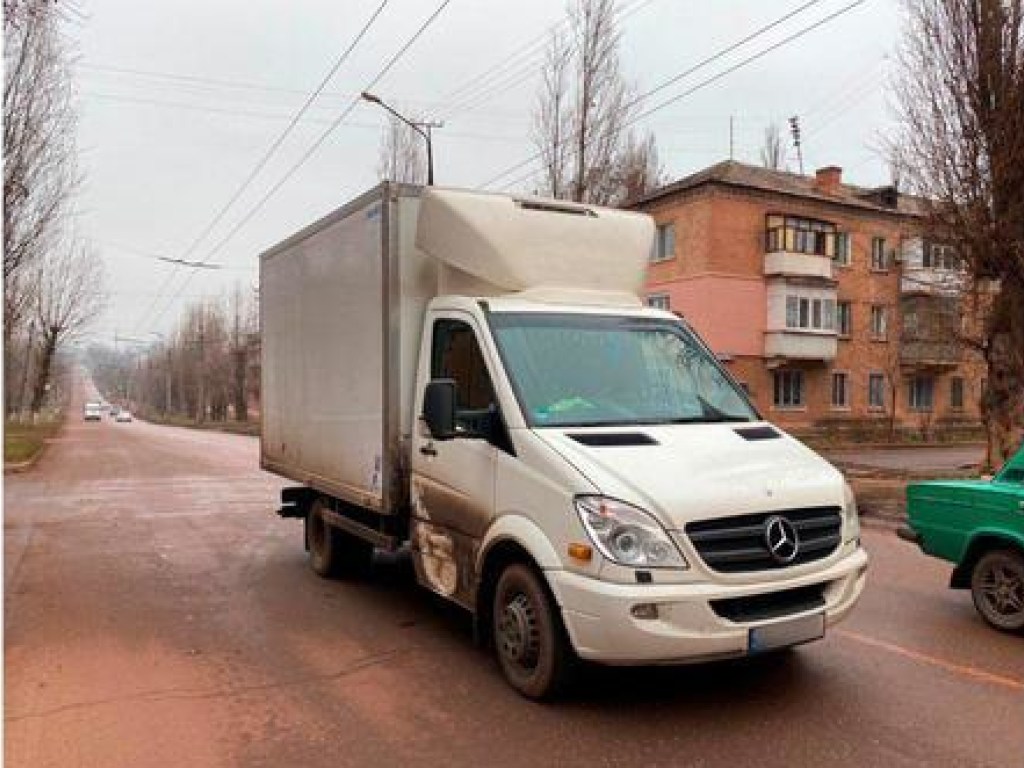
pixel 979 525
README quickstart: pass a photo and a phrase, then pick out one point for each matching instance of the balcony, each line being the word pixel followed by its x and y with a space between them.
pixel 800 345
pixel 931 281
pixel 929 353
pixel 795 264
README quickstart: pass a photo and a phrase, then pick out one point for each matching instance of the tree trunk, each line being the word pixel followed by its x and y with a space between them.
pixel 43 374
pixel 241 407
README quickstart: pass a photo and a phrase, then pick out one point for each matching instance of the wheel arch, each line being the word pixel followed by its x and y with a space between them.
pixel 511 539
pixel 982 541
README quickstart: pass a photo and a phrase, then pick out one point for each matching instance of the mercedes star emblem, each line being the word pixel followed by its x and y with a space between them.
pixel 781 537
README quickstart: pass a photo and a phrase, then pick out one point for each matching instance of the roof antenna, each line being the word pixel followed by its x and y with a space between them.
pixel 794 129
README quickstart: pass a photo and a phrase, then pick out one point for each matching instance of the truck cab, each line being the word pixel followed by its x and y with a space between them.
pixel 575 469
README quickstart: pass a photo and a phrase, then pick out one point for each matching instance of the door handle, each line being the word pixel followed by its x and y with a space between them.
pixel 428 449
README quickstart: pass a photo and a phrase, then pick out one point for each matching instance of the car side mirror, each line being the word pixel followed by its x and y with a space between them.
pixel 439 408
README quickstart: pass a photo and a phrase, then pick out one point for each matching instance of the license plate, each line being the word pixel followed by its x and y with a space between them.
pixel 786 633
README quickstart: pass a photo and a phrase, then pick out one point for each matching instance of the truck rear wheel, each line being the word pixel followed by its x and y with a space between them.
pixel 997 586
pixel 528 635
pixel 332 552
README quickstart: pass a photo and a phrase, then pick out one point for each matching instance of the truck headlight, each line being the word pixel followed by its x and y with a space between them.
pixel 852 528
pixel 627 535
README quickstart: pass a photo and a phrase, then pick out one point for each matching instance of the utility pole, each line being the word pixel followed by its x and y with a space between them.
pixel 731 138
pixel 794 129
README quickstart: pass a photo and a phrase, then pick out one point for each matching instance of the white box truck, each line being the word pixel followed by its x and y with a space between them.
pixel 474 376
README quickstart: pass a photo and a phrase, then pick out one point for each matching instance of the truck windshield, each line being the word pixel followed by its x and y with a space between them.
pixel 591 370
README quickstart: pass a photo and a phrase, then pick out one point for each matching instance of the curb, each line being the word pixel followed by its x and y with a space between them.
pixel 25 466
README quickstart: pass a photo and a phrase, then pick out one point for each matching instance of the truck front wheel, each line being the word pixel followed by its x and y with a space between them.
pixel 528 635
pixel 334 553
pixel 997 586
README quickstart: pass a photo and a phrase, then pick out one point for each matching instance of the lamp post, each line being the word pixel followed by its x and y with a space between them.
pixel 423 128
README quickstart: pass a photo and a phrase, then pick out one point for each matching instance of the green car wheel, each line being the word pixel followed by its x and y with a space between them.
pixel 997 586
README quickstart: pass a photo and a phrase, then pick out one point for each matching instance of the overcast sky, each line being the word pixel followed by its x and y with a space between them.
pixel 179 100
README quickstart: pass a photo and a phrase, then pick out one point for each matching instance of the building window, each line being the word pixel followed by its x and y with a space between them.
pixel 956 393
pixel 876 390
pixel 799 235
pixel 878 325
pixel 659 301
pixel 842 254
pixel 789 389
pixel 879 260
pixel 844 318
pixel 840 390
pixel 921 393
pixel 939 256
pixel 664 243
pixel 812 314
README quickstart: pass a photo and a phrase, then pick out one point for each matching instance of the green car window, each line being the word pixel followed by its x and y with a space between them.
pixel 1013 470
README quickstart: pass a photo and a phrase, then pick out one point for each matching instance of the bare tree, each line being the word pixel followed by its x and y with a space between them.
pixel 402 153
pixel 552 120
pixel 960 97
pixel 637 168
pixel 68 298
pixel 583 112
pixel 38 151
pixel 773 151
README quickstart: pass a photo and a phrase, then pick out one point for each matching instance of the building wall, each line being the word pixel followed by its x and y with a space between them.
pixel 716 280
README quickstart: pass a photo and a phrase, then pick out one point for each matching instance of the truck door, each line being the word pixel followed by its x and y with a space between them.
pixel 452 494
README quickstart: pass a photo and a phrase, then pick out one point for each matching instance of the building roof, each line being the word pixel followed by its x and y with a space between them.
pixel 733 174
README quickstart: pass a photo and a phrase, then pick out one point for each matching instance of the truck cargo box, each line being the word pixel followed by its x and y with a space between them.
pixel 341 305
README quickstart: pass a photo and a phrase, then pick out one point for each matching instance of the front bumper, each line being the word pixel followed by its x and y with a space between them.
pixel 601 627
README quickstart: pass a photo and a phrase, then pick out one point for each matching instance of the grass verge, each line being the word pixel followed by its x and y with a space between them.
pixel 23 442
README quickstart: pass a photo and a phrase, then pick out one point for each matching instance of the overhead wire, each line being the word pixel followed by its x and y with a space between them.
pixel 308 153
pixel 276 144
pixel 707 81
pixel 706 61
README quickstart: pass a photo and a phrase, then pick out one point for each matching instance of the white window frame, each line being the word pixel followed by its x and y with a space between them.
pixel 880 329
pixel 790 382
pixel 879 260
pixel 842 249
pixel 914 394
pixel 844 334
pixel 880 378
pixel 845 404
pixel 659 301
pixel 664 235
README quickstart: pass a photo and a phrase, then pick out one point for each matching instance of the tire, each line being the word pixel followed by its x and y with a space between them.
pixel 529 639
pixel 334 553
pixel 997 586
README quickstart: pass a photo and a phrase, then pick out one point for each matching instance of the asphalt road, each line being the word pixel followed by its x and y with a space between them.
pixel 157 613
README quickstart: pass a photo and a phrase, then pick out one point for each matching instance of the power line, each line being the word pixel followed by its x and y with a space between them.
pixel 713 78
pixel 674 79
pixel 272 149
pixel 309 152
pixel 527 68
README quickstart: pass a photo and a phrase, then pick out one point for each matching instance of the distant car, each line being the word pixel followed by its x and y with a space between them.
pixel 123 415
pixel 92 412
pixel 979 525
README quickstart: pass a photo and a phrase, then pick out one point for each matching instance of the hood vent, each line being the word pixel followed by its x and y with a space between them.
pixel 605 439
pixel 758 433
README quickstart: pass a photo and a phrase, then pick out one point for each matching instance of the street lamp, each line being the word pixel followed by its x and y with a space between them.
pixel 422 128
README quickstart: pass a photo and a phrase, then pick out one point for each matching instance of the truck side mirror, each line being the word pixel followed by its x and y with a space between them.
pixel 439 408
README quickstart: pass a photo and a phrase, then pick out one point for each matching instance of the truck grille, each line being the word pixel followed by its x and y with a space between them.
pixel 738 544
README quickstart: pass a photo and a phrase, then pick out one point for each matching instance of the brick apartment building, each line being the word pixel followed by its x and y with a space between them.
pixel 823 298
